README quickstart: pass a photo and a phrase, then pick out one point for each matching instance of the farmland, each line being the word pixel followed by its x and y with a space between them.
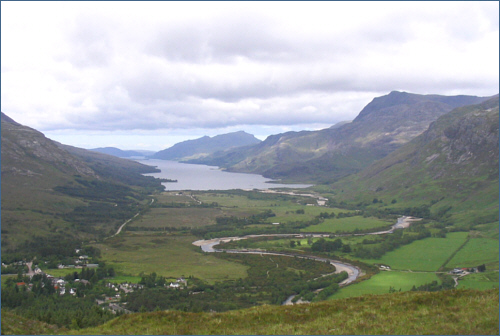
pixel 349 224
pixel 171 254
pixel 423 255
pixel 475 252
pixel 383 281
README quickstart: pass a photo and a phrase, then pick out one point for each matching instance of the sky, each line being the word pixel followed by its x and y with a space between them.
pixel 146 75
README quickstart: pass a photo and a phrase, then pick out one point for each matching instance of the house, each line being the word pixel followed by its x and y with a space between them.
pixel 174 285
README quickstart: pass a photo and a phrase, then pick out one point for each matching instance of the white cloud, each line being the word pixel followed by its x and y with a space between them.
pixel 107 66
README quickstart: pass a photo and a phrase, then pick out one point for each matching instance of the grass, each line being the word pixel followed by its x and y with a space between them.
pixel 287 213
pixel 177 217
pixel 454 312
pixel 480 281
pixel 348 224
pixel 239 201
pixel 61 273
pixel 476 252
pixel 17 325
pixel 169 256
pixel 381 282
pixel 422 255
pixel 125 278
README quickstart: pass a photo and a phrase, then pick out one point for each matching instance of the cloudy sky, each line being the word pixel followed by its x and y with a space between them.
pixel 146 75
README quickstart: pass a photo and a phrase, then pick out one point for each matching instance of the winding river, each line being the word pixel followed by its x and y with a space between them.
pixel 352 271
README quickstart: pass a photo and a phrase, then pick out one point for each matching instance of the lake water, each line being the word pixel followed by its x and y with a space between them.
pixel 201 177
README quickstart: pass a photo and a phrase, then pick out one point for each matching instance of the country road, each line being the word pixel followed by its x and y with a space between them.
pixel 128 220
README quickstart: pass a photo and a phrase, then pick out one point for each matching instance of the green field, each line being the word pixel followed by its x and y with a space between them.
pixel 476 252
pixel 480 281
pixel 381 282
pixel 422 255
pixel 169 256
pixel 177 217
pixel 288 213
pixel 239 201
pixel 348 224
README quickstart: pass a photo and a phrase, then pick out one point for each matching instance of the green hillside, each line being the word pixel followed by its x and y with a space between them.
pixel 384 125
pixel 452 169
pixel 456 312
pixel 62 192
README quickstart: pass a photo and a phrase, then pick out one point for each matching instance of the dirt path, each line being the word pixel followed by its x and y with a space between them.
pixel 129 220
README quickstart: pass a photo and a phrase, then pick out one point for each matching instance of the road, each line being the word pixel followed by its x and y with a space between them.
pixel 128 220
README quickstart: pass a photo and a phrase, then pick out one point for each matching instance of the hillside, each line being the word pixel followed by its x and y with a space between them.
pixel 13 324
pixel 121 153
pixel 452 167
pixel 384 125
pixel 44 182
pixel 206 145
pixel 453 312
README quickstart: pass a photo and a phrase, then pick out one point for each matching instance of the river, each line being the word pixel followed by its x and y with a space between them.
pixel 202 177
pixel 352 271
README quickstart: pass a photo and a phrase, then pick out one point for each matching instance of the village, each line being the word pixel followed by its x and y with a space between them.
pixel 84 280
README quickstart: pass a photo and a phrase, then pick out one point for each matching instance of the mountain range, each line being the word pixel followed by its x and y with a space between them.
pixel 403 146
pixel 385 124
pixel 123 153
pixel 204 146
pixel 451 168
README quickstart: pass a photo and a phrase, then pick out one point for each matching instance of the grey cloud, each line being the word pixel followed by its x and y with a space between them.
pixel 91 43
pixel 220 40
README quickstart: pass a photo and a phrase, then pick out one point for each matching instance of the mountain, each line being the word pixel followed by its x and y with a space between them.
pixel 384 125
pixel 122 153
pixel 206 145
pixel 451 168
pixel 45 184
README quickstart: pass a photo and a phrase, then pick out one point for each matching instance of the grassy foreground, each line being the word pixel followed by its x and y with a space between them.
pixel 457 312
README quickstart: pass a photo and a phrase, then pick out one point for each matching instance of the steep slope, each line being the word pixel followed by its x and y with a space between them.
pixel 206 145
pixel 43 182
pixel 327 155
pixel 451 167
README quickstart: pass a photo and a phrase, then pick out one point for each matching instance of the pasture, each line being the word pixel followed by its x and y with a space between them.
pixel 476 252
pixel 422 255
pixel 480 281
pixel 348 224
pixel 177 217
pixel 169 256
pixel 381 283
